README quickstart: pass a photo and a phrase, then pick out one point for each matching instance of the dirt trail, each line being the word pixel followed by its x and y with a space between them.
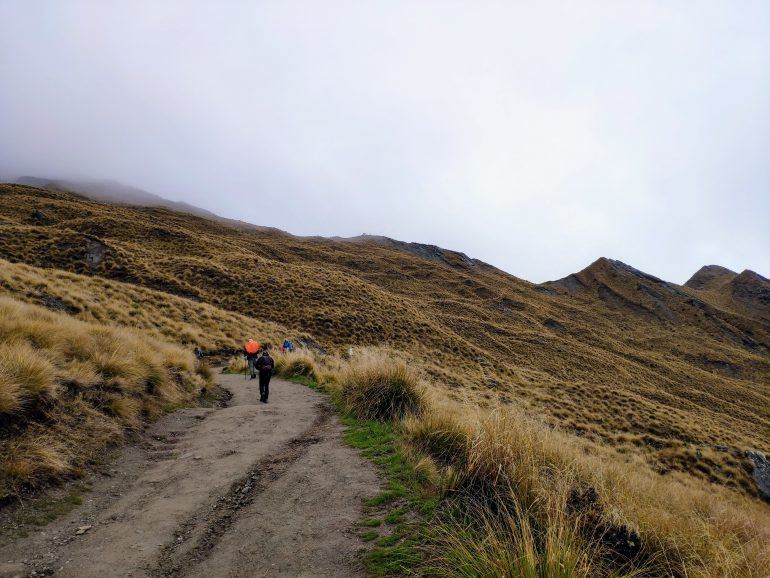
pixel 247 490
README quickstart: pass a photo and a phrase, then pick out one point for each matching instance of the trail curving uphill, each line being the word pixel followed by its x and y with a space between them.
pixel 246 490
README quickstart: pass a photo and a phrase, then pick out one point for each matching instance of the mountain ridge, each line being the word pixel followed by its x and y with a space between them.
pixel 113 192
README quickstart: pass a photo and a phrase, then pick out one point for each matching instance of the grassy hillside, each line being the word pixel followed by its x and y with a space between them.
pixel 654 370
pixel 161 315
pixel 68 388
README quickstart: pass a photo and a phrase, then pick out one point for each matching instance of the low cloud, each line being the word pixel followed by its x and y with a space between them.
pixel 536 138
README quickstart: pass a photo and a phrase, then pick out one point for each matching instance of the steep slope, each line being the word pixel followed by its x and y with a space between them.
pixel 68 388
pixel 753 292
pixel 610 353
pixel 115 193
pixel 158 314
pixel 710 277
pixel 626 290
pixel 747 293
pixel 108 191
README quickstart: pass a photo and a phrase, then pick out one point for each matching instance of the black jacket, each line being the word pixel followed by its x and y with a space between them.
pixel 265 364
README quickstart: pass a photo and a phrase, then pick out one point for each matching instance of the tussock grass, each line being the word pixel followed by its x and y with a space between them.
pixel 522 498
pixel 297 363
pixel 31 461
pixel 535 500
pixel 236 364
pixel 25 373
pixel 379 386
pixel 68 388
pixel 603 366
pixel 516 544
pixel 161 315
pixel 440 435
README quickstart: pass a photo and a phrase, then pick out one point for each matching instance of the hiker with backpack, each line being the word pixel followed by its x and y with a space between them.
pixel 252 354
pixel 265 366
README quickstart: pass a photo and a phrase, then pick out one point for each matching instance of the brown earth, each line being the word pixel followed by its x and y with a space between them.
pixel 678 375
pixel 246 490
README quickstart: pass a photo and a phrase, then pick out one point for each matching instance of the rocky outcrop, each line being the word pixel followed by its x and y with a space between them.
pixel 96 252
pixel 454 259
pixel 761 472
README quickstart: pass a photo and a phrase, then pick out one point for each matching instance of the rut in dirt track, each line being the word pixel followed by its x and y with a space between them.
pixel 207 527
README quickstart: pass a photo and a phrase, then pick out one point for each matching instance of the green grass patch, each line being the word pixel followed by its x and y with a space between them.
pixel 369 536
pixel 396 516
pixel 395 560
pixel 306 381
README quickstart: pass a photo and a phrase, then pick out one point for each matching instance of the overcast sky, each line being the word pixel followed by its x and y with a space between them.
pixel 536 136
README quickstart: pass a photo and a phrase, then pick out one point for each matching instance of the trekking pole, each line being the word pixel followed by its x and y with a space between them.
pixel 245 369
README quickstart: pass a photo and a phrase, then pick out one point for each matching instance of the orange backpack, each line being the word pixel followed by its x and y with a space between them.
pixel 252 346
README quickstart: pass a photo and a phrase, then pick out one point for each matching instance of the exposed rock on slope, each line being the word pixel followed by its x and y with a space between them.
pixel 429 252
pixel 761 472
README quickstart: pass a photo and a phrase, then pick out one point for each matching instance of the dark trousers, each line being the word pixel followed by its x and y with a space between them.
pixel 264 384
pixel 252 366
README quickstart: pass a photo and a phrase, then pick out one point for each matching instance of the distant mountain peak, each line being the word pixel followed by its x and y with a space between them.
pixel 749 275
pixel 598 271
pixel 710 277
pixel 753 290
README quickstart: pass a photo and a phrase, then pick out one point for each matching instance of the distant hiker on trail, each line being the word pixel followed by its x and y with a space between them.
pixel 287 346
pixel 265 365
pixel 252 353
pixel 198 353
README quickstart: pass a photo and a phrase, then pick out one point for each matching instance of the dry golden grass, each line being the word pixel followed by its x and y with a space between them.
pixel 379 386
pixel 531 500
pixel 300 362
pixel 645 367
pixel 297 363
pixel 160 314
pixel 236 364
pixel 479 543
pixel 683 528
pixel 68 388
